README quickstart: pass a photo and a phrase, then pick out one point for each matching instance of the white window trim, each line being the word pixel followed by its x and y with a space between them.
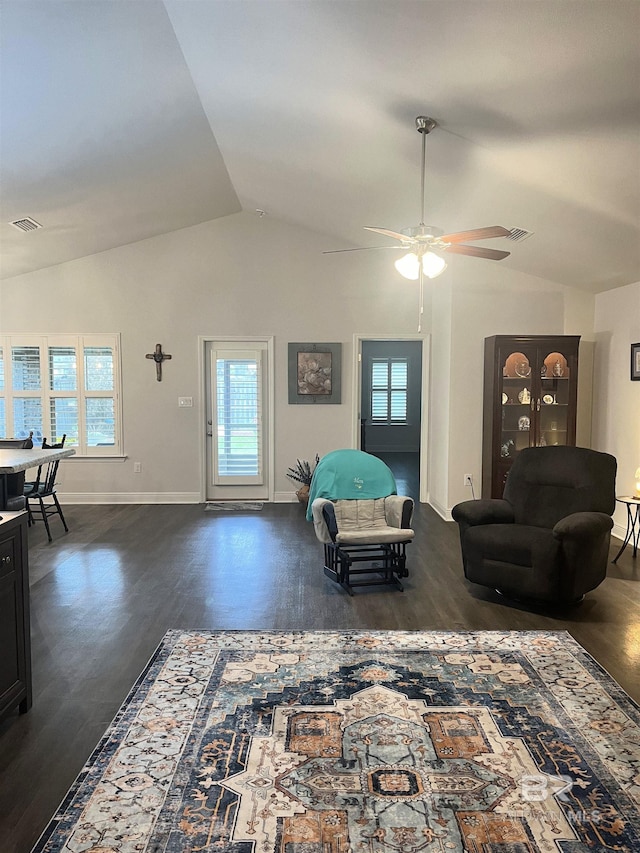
pixel 45 393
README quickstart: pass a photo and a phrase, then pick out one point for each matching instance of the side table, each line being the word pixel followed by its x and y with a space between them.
pixel 633 524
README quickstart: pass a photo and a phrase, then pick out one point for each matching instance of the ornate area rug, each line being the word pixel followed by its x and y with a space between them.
pixel 362 742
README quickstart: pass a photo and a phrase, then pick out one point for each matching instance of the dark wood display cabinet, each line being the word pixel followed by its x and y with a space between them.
pixel 530 399
pixel 15 641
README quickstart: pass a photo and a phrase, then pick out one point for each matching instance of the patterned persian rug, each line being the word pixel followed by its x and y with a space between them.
pixel 362 742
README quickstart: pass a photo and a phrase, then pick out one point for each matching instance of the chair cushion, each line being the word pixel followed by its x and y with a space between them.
pixel 519 544
pixel 546 484
pixel 357 514
pixel 364 522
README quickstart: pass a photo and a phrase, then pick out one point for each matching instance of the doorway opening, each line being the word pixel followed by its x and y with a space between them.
pixel 391 417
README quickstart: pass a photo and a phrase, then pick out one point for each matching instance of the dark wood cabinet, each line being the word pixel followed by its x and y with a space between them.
pixel 530 399
pixel 15 640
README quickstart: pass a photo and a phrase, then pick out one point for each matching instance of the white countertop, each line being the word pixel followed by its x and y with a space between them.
pixel 12 461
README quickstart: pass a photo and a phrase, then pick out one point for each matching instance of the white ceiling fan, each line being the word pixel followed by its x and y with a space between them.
pixel 424 242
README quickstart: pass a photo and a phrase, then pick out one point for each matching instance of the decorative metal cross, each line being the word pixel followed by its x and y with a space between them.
pixel 158 356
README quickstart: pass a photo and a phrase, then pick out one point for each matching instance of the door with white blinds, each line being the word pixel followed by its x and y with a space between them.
pixel 238 420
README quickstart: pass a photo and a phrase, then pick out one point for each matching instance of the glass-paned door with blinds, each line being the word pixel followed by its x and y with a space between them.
pixel 237 450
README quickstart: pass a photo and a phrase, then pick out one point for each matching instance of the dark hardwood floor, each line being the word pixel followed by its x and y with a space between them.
pixel 406 470
pixel 103 595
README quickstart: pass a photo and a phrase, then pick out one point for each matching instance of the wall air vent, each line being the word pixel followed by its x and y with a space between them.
pixel 26 224
pixel 517 235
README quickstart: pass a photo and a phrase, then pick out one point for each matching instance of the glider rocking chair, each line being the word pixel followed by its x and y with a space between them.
pixel 360 520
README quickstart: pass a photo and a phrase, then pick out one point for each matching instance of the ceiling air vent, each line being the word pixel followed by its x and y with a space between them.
pixel 26 224
pixel 517 235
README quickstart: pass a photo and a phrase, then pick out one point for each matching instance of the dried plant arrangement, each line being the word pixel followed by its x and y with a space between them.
pixel 302 473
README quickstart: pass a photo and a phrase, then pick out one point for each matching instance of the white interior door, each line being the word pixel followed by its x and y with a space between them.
pixel 239 417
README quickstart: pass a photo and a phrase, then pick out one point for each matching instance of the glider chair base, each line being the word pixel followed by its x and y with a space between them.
pixel 386 564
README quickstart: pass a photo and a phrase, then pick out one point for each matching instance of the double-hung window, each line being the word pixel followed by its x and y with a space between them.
pixel 55 385
pixel 389 390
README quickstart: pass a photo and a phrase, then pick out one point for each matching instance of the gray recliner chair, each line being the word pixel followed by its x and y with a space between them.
pixel 548 539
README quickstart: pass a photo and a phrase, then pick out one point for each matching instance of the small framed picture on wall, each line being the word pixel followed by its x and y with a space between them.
pixel 314 373
pixel 635 362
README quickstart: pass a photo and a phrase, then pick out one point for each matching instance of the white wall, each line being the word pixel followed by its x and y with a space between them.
pixel 485 300
pixel 440 302
pixel 236 276
pixel 616 411
pixel 246 276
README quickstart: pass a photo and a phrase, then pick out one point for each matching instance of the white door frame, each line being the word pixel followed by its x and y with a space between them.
pixel 358 338
pixel 203 340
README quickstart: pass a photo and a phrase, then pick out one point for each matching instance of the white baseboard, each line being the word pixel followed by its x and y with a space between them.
pixel 619 532
pixel 285 498
pixel 129 497
pixel 150 497
pixel 442 511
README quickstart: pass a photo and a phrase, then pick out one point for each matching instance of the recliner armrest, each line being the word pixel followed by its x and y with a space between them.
pixel 398 511
pixel 487 511
pixel 583 525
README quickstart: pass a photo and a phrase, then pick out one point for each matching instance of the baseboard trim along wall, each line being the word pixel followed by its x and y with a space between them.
pixel 129 497
pixel 149 497
pixel 442 511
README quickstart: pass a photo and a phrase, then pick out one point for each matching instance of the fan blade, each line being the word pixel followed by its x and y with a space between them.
pixel 361 249
pixel 477 252
pixel 394 234
pixel 476 234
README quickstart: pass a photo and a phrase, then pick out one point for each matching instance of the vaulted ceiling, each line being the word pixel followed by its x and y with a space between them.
pixel 124 119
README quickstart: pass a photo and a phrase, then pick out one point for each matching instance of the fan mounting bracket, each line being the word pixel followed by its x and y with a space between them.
pixel 425 124
pixel 423 233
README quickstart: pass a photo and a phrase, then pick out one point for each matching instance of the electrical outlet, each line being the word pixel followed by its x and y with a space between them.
pixel 137 467
pixel 468 479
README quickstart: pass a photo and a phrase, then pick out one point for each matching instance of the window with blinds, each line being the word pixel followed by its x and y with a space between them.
pixel 238 416
pixel 389 390
pixel 62 385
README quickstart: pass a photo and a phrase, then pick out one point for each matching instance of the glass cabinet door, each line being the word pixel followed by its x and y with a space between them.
pixel 530 400
pixel 554 398
pixel 517 395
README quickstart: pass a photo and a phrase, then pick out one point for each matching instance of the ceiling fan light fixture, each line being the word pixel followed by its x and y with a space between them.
pixel 408 266
pixel 432 264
